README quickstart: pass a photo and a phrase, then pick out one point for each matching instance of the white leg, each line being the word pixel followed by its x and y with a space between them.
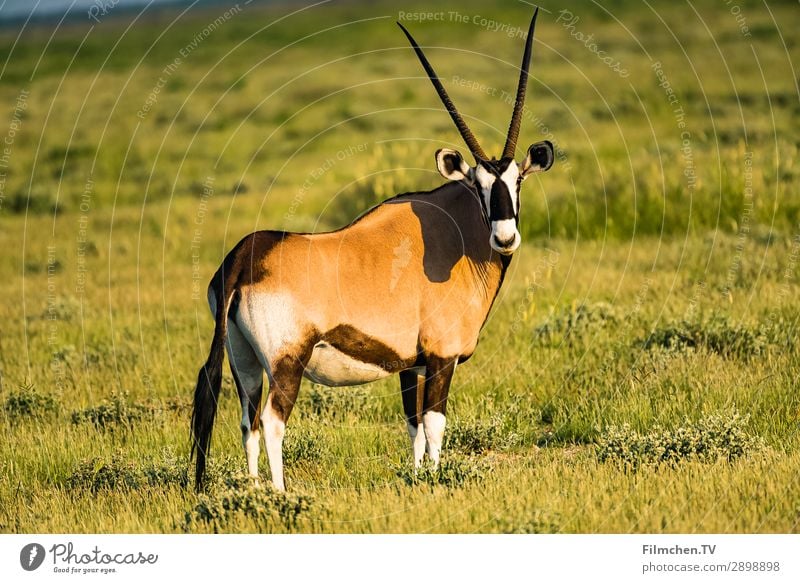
pixel 274 429
pixel 417 435
pixel 249 375
pixel 251 441
pixel 434 423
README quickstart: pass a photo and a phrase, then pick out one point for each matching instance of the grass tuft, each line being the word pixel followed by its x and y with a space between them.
pixel 337 403
pixel 302 444
pixel 535 522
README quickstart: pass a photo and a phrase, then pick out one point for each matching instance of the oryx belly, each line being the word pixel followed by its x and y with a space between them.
pixel 331 367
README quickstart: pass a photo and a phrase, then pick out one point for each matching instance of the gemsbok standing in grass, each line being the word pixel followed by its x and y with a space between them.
pixel 406 289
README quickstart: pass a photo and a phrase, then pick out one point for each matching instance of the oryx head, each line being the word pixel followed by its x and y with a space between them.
pixel 496 181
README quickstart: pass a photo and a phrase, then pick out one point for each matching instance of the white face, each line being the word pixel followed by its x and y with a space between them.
pixel 499 187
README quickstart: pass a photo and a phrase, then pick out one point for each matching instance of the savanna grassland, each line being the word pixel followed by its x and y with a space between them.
pixel 639 372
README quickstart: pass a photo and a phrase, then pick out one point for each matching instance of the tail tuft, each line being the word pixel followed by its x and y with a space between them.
pixel 206 396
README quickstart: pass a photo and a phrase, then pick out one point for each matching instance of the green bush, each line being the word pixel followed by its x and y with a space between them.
pixel 37 200
pixel 119 473
pixel 241 497
pixel 575 322
pixel 709 439
pixel 301 444
pixel 28 403
pixel 453 472
pixel 716 334
pixel 479 435
pixel 113 413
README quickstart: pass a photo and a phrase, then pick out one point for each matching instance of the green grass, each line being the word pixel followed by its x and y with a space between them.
pixel 639 370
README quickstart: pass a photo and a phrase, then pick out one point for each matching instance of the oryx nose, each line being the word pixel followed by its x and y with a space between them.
pixel 504 242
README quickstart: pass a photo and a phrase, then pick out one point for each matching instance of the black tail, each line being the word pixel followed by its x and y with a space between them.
pixel 209 379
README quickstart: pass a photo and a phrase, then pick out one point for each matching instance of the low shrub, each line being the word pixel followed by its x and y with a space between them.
pixel 575 322
pixel 180 405
pixel 716 334
pixel 116 412
pixel 302 444
pixel 479 435
pixel 28 403
pixel 709 439
pixel 119 473
pixel 453 472
pixel 241 497
pixel 37 200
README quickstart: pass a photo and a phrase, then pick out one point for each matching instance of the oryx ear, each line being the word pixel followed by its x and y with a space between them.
pixel 539 159
pixel 452 166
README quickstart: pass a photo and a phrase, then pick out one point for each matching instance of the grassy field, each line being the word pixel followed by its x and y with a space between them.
pixel 639 372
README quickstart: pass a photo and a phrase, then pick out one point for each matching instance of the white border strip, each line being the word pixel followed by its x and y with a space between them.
pixel 401 558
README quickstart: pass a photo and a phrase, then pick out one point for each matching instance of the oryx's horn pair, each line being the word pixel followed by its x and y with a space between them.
pixel 516 117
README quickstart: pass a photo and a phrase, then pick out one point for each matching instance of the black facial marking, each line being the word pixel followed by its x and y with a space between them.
pixel 500 205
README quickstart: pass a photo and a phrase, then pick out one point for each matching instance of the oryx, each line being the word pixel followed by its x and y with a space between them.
pixel 404 289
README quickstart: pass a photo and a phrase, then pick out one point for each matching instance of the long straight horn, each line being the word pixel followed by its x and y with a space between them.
pixel 470 140
pixel 516 117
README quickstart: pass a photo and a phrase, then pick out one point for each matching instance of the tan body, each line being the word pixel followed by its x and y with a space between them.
pixel 338 309
pixel 430 303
